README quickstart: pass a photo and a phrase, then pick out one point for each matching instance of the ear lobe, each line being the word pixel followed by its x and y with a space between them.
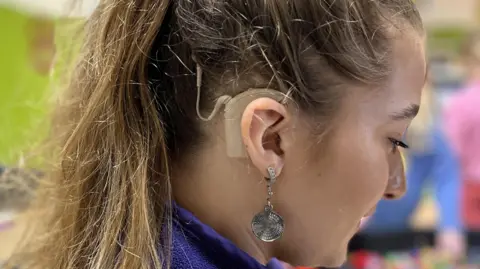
pixel 261 125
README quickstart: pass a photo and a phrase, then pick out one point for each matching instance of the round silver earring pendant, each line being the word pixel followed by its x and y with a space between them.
pixel 267 225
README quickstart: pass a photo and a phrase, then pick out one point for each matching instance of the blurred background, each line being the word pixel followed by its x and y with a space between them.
pixel 436 225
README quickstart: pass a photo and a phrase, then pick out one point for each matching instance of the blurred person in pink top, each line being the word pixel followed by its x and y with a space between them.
pixel 462 122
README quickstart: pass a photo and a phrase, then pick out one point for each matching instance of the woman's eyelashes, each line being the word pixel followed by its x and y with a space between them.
pixel 397 143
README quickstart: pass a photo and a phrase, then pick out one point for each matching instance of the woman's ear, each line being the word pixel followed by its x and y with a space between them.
pixel 262 124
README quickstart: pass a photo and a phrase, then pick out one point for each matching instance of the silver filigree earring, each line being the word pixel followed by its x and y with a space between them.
pixel 268 225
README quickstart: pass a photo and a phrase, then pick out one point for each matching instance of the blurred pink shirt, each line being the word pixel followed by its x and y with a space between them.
pixel 462 122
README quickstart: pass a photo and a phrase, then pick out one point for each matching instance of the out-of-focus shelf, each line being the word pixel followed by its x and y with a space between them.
pixel 426 215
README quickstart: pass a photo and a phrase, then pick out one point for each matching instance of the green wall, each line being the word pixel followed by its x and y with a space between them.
pixel 446 39
pixel 23 93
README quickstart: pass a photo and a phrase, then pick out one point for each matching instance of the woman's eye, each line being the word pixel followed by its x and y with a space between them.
pixel 397 143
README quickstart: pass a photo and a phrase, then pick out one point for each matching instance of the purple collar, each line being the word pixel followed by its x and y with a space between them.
pixel 196 245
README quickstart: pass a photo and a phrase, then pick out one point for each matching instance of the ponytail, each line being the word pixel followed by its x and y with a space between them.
pixel 108 200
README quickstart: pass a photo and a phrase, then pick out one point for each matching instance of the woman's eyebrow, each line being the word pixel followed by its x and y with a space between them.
pixel 406 113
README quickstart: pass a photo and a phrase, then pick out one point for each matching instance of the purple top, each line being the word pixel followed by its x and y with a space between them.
pixel 196 245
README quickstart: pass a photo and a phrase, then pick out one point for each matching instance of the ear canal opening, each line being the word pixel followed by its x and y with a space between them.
pixel 272 141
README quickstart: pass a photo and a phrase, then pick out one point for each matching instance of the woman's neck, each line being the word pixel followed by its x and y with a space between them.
pixel 216 196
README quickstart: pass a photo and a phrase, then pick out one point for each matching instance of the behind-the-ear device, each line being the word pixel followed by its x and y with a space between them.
pixel 233 112
pixel 234 108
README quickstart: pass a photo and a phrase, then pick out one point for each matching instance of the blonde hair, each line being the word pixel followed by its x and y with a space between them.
pixel 104 207
pixel 129 109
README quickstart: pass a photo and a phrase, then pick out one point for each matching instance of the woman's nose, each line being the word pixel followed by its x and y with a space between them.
pixel 396 188
pixel 397 183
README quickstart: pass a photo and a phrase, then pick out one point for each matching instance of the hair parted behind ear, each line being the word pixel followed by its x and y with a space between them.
pixel 111 190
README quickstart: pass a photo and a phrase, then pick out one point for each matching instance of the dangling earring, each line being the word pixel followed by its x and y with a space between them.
pixel 268 225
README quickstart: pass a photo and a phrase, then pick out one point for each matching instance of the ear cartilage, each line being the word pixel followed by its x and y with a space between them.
pixel 233 114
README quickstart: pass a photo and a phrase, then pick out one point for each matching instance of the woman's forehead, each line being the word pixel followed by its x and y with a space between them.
pixel 399 98
pixel 409 69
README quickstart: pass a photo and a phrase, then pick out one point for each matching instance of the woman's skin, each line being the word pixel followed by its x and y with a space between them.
pixel 324 188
